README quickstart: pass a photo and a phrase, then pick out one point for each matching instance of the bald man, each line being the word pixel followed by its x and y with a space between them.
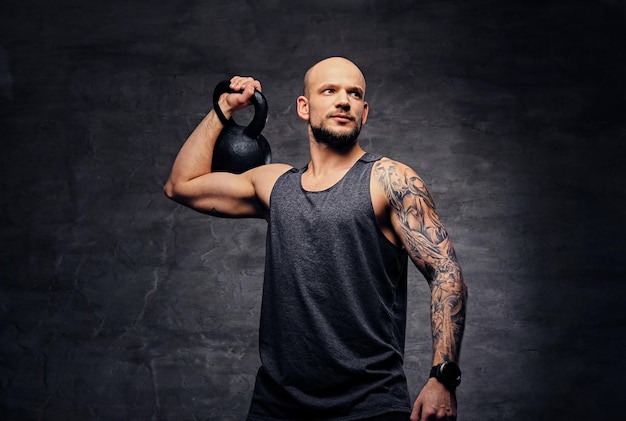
pixel 340 233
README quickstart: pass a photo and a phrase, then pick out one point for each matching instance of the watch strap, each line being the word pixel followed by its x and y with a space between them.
pixel 434 371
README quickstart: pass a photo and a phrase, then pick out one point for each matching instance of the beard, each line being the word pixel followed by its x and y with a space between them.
pixel 333 140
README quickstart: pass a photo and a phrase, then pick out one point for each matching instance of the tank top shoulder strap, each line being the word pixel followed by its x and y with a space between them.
pixel 370 157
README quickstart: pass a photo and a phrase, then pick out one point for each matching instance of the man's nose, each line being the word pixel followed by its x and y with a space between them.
pixel 342 100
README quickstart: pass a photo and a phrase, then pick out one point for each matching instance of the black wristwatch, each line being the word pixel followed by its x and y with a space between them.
pixel 448 373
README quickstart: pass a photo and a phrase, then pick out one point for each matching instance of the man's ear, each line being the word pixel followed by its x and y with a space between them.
pixel 366 110
pixel 303 108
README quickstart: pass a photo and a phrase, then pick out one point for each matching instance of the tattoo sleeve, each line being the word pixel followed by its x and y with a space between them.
pixel 426 240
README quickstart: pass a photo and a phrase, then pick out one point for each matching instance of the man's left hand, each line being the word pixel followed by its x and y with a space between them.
pixel 435 402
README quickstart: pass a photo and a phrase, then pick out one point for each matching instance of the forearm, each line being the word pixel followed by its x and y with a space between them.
pixel 448 307
pixel 195 156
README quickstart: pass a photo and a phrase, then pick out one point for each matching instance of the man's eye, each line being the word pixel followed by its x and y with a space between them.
pixel 328 91
pixel 356 94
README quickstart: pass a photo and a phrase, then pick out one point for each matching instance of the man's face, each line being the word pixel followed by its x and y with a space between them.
pixel 334 103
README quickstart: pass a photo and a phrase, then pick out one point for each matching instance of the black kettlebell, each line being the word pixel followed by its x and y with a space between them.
pixel 240 148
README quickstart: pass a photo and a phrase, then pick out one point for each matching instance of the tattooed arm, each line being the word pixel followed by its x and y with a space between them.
pixel 416 224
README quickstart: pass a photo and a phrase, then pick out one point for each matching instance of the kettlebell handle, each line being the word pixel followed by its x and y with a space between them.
pixel 257 124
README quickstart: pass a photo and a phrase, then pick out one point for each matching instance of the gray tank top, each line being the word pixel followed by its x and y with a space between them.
pixel 334 305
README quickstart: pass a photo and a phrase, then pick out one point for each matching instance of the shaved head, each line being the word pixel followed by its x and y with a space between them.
pixel 328 67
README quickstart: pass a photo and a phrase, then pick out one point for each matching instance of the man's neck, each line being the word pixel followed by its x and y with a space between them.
pixel 328 165
pixel 326 160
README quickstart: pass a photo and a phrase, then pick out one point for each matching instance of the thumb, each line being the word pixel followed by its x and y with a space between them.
pixel 246 94
pixel 234 101
pixel 417 411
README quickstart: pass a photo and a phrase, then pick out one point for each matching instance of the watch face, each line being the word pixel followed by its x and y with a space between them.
pixel 451 372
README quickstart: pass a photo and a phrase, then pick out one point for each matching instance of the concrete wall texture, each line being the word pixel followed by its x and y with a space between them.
pixel 118 304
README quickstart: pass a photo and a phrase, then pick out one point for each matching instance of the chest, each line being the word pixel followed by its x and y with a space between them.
pixel 323 183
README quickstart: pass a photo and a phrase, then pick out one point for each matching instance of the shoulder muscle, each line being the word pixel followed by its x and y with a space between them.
pixel 413 216
pixel 399 182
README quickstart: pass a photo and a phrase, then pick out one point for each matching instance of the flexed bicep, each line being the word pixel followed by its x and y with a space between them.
pixel 219 194
pixel 224 194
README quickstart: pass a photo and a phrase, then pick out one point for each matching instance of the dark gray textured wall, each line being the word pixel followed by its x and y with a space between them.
pixel 116 303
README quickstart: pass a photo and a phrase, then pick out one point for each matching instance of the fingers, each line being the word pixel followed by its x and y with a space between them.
pixel 239 83
pixel 434 414
pixel 443 412
pixel 242 90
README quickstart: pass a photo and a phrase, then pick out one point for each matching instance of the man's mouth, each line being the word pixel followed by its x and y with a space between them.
pixel 344 118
